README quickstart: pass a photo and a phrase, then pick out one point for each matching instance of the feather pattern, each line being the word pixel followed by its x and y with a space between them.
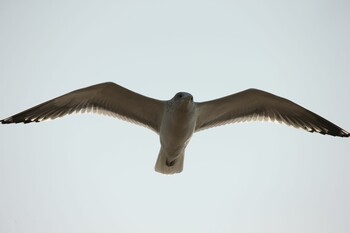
pixel 106 98
pixel 257 105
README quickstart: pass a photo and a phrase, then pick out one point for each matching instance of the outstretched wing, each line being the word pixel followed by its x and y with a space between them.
pixel 105 98
pixel 253 104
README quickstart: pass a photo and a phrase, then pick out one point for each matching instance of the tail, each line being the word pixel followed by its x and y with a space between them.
pixel 163 167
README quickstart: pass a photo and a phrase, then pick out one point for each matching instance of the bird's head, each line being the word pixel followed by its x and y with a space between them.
pixel 183 100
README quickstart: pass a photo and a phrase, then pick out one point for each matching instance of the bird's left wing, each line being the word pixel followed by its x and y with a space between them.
pixel 253 104
pixel 105 98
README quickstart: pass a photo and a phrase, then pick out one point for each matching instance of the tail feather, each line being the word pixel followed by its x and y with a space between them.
pixel 162 166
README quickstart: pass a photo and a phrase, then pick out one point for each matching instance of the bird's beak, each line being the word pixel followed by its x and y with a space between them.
pixel 189 98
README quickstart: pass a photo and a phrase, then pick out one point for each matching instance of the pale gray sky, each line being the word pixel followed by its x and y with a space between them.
pixel 95 174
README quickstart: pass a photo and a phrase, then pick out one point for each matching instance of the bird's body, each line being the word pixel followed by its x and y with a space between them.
pixel 177 127
pixel 177 119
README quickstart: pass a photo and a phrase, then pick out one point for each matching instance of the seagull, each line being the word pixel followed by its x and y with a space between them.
pixel 176 120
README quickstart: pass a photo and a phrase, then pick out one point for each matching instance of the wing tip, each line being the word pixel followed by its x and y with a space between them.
pixel 344 133
pixel 11 120
pixel 8 120
pixel 336 133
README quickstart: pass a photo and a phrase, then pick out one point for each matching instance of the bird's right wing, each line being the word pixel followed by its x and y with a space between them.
pixel 105 98
pixel 257 105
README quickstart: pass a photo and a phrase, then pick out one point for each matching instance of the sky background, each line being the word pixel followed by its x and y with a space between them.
pixel 95 174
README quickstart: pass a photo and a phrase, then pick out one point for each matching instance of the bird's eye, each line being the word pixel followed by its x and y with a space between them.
pixel 180 95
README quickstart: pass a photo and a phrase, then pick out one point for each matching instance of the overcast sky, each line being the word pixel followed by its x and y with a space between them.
pixel 88 173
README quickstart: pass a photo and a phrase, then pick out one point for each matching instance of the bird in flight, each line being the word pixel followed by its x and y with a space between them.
pixel 176 120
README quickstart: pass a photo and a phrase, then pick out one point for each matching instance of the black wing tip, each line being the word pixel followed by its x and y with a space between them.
pixel 7 121
pixel 338 133
pixel 343 133
pixel 12 120
pixel 334 133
